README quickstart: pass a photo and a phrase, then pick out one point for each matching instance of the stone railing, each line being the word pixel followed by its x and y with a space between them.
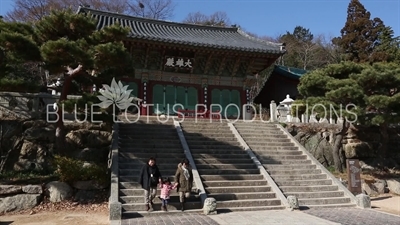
pixel 28 105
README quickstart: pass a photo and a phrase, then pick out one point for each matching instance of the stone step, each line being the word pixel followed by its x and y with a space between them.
pixel 202 138
pixel 135 178
pixel 300 177
pixel 274 167
pixel 259 144
pixel 138 166
pixel 211 142
pixel 235 189
pixel 284 162
pixel 261 136
pixel 241 196
pixel 148 130
pixel 226 166
pixel 333 206
pixel 278 157
pixel 228 161
pixel 323 194
pixel 156 144
pixel 258 131
pixel 150 134
pixel 248 203
pixel 323 201
pixel 303 182
pixel 308 188
pixel 229 183
pixel 268 149
pixel 230 177
pixel 140 199
pixel 287 172
pixel 236 155
pixel 268 152
pixel 137 171
pixel 212 151
pixel 228 171
pixel 133 184
pixel 153 150
pixel 194 148
pixel 171 206
pixel 146 141
pixel 159 156
pixel 251 138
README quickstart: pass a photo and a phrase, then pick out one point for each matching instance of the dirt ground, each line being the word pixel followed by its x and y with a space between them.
pixel 384 203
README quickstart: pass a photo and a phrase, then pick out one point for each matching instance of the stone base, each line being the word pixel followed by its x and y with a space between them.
pixel 210 206
pixel 293 202
pixel 363 201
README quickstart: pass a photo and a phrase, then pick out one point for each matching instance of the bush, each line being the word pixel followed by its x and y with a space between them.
pixel 70 170
pixel 18 85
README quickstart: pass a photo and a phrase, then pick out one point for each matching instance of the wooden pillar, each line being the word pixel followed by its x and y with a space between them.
pixel 144 107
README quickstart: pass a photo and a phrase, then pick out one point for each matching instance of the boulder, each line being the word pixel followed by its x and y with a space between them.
pixel 80 139
pixel 32 156
pixel 40 134
pixel 369 189
pixel 394 186
pixel 58 191
pixel 32 189
pixel 10 189
pixel 19 202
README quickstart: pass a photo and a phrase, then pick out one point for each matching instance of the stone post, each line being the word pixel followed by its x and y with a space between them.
pixel 272 108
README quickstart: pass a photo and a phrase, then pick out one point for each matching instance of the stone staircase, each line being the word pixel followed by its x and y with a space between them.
pixel 226 170
pixel 137 142
pixel 294 173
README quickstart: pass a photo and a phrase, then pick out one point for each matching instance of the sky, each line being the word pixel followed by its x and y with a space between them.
pixel 274 17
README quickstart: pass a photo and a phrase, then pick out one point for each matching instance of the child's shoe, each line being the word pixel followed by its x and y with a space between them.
pixel 164 208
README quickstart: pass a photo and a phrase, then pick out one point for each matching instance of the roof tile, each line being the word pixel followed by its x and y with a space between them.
pixel 187 34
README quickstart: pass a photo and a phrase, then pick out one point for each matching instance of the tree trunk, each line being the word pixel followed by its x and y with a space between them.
pixel 337 146
pixel 60 130
pixel 385 140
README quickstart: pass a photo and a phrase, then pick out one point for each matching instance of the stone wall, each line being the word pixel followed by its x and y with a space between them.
pixel 358 143
pixel 30 145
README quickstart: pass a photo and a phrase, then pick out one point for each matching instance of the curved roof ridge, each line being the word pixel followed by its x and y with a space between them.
pixel 161 22
pixel 240 31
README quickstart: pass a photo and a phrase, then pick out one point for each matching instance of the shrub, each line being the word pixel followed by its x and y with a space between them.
pixel 18 85
pixel 70 170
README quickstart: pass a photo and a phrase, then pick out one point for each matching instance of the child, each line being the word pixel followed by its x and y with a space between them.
pixel 166 188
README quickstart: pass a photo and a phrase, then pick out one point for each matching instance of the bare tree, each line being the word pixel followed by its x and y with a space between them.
pixel 153 9
pixel 33 10
pixel 219 18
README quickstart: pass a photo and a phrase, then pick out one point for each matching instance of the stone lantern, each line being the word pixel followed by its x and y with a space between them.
pixel 284 109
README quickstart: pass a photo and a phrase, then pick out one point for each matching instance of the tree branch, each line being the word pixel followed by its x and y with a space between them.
pixel 72 72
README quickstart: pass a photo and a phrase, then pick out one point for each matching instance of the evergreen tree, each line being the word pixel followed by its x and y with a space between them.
pixel 360 35
pixel 372 89
pixel 70 43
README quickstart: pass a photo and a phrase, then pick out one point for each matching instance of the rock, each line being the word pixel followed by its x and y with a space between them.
pixel 84 196
pixel 10 189
pixel 381 186
pixel 369 189
pixel 32 156
pixel 19 202
pixel 79 139
pixel 363 201
pixel 394 186
pixel 32 189
pixel 293 202
pixel 88 185
pixel 358 150
pixel 58 191
pixel 97 155
pixel 40 134
pixel 210 206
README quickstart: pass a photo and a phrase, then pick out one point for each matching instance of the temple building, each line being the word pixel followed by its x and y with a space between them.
pixel 282 81
pixel 186 64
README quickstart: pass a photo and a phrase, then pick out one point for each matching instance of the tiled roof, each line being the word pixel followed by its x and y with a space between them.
pixel 185 34
pixel 290 72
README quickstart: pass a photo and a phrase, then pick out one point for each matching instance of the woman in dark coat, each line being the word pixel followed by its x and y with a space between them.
pixel 149 178
pixel 184 181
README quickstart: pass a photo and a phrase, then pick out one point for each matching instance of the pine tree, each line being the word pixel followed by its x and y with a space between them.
pixel 360 35
pixel 70 42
